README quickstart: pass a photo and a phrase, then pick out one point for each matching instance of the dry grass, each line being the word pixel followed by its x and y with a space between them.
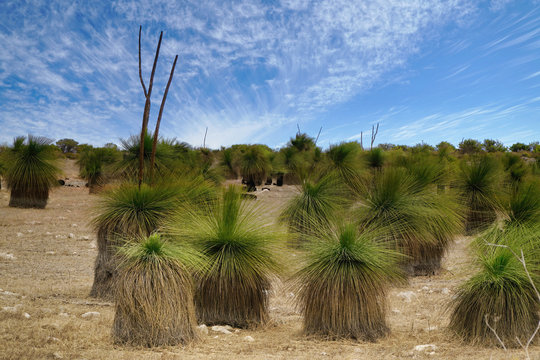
pixel 53 289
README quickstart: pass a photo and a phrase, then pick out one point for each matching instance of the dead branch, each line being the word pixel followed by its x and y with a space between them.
pixel 146 113
pixel 374 132
pixel 204 140
pixel 156 132
pixel 317 139
pixel 494 332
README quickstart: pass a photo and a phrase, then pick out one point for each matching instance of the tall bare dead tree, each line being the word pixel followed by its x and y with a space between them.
pixel 147 104
pixel 374 132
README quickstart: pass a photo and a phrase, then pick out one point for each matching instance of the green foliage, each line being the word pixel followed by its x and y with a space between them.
pixel 426 170
pixel 515 167
pixel 517 147
pixel 94 164
pixel 415 222
pixel 317 205
pixel 67 145
pixel 524 204
pixel 31 171
pixel 501 293
pixel 375 158
pixel 479 185
pixel 236 241
pixel 154 293
pixel 492 146
pixel 342 288
pixel 345 162
pixel 129 165
pixel 255 165
pixel 470 146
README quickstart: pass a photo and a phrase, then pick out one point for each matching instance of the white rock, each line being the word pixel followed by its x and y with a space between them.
pixel 19 234
pixel 249 338
pixel 445 291
pixel 52 339
pixel 425 288
pixel 27 315
pixel 90 315
pixel 59 236
pixel 429 347
pixel 50 253
pixel 85 237
pixel 290 295
pixel 222 329
pixel 203 329
pixel 71 236
pixel 7 256
pixel 93 245
pixel 74 225
pixel 406 295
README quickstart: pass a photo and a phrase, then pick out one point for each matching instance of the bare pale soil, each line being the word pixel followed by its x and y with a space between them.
pixel 46 268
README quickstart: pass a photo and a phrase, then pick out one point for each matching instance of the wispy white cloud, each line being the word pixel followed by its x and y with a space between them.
pixel 247 69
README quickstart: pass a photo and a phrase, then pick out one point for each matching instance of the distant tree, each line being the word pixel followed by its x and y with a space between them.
pixel 446 146
pixel 519 147
pixel 111 146
pixel 491 146
pixel 422 148
pixel 67 145
pixel 470 146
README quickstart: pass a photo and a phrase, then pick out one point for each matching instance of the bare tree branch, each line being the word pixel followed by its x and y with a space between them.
pixel 146 113
pixel 204 140
pixel 140 69
pixel 373 135
pixel 494 332
pixel 317 139
pixel 156 132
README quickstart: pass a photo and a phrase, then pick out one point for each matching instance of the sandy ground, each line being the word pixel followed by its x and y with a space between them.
pixel 46 268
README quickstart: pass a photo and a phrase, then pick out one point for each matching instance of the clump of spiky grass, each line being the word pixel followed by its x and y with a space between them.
pixel 524 204
pixel 154 293
pixel 233 289
pixel 479 186
pixel 342 288
pixel 416 222
pixel 345 162
pixel 501 294
pixel 123 212
pixel 375 158
pixel 255 165
pixel 318 202
pixel 30 171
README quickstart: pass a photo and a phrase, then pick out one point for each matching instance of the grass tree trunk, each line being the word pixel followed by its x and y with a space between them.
pixel 22 198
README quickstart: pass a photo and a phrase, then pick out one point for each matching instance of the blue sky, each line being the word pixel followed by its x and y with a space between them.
pixel 250 71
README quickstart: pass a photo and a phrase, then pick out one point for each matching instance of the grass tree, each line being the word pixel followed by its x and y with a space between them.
pixel 524 205
pixel 255 165
pixel 343 285
pixel 498 301
pixel 317 204
pixel 154 293
pixel 30 171
pixel 233 288
pixel 127 211
pixel 479 186
pixel 417 223
pixel 94 164
pixel 128 166
pixel 345 162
